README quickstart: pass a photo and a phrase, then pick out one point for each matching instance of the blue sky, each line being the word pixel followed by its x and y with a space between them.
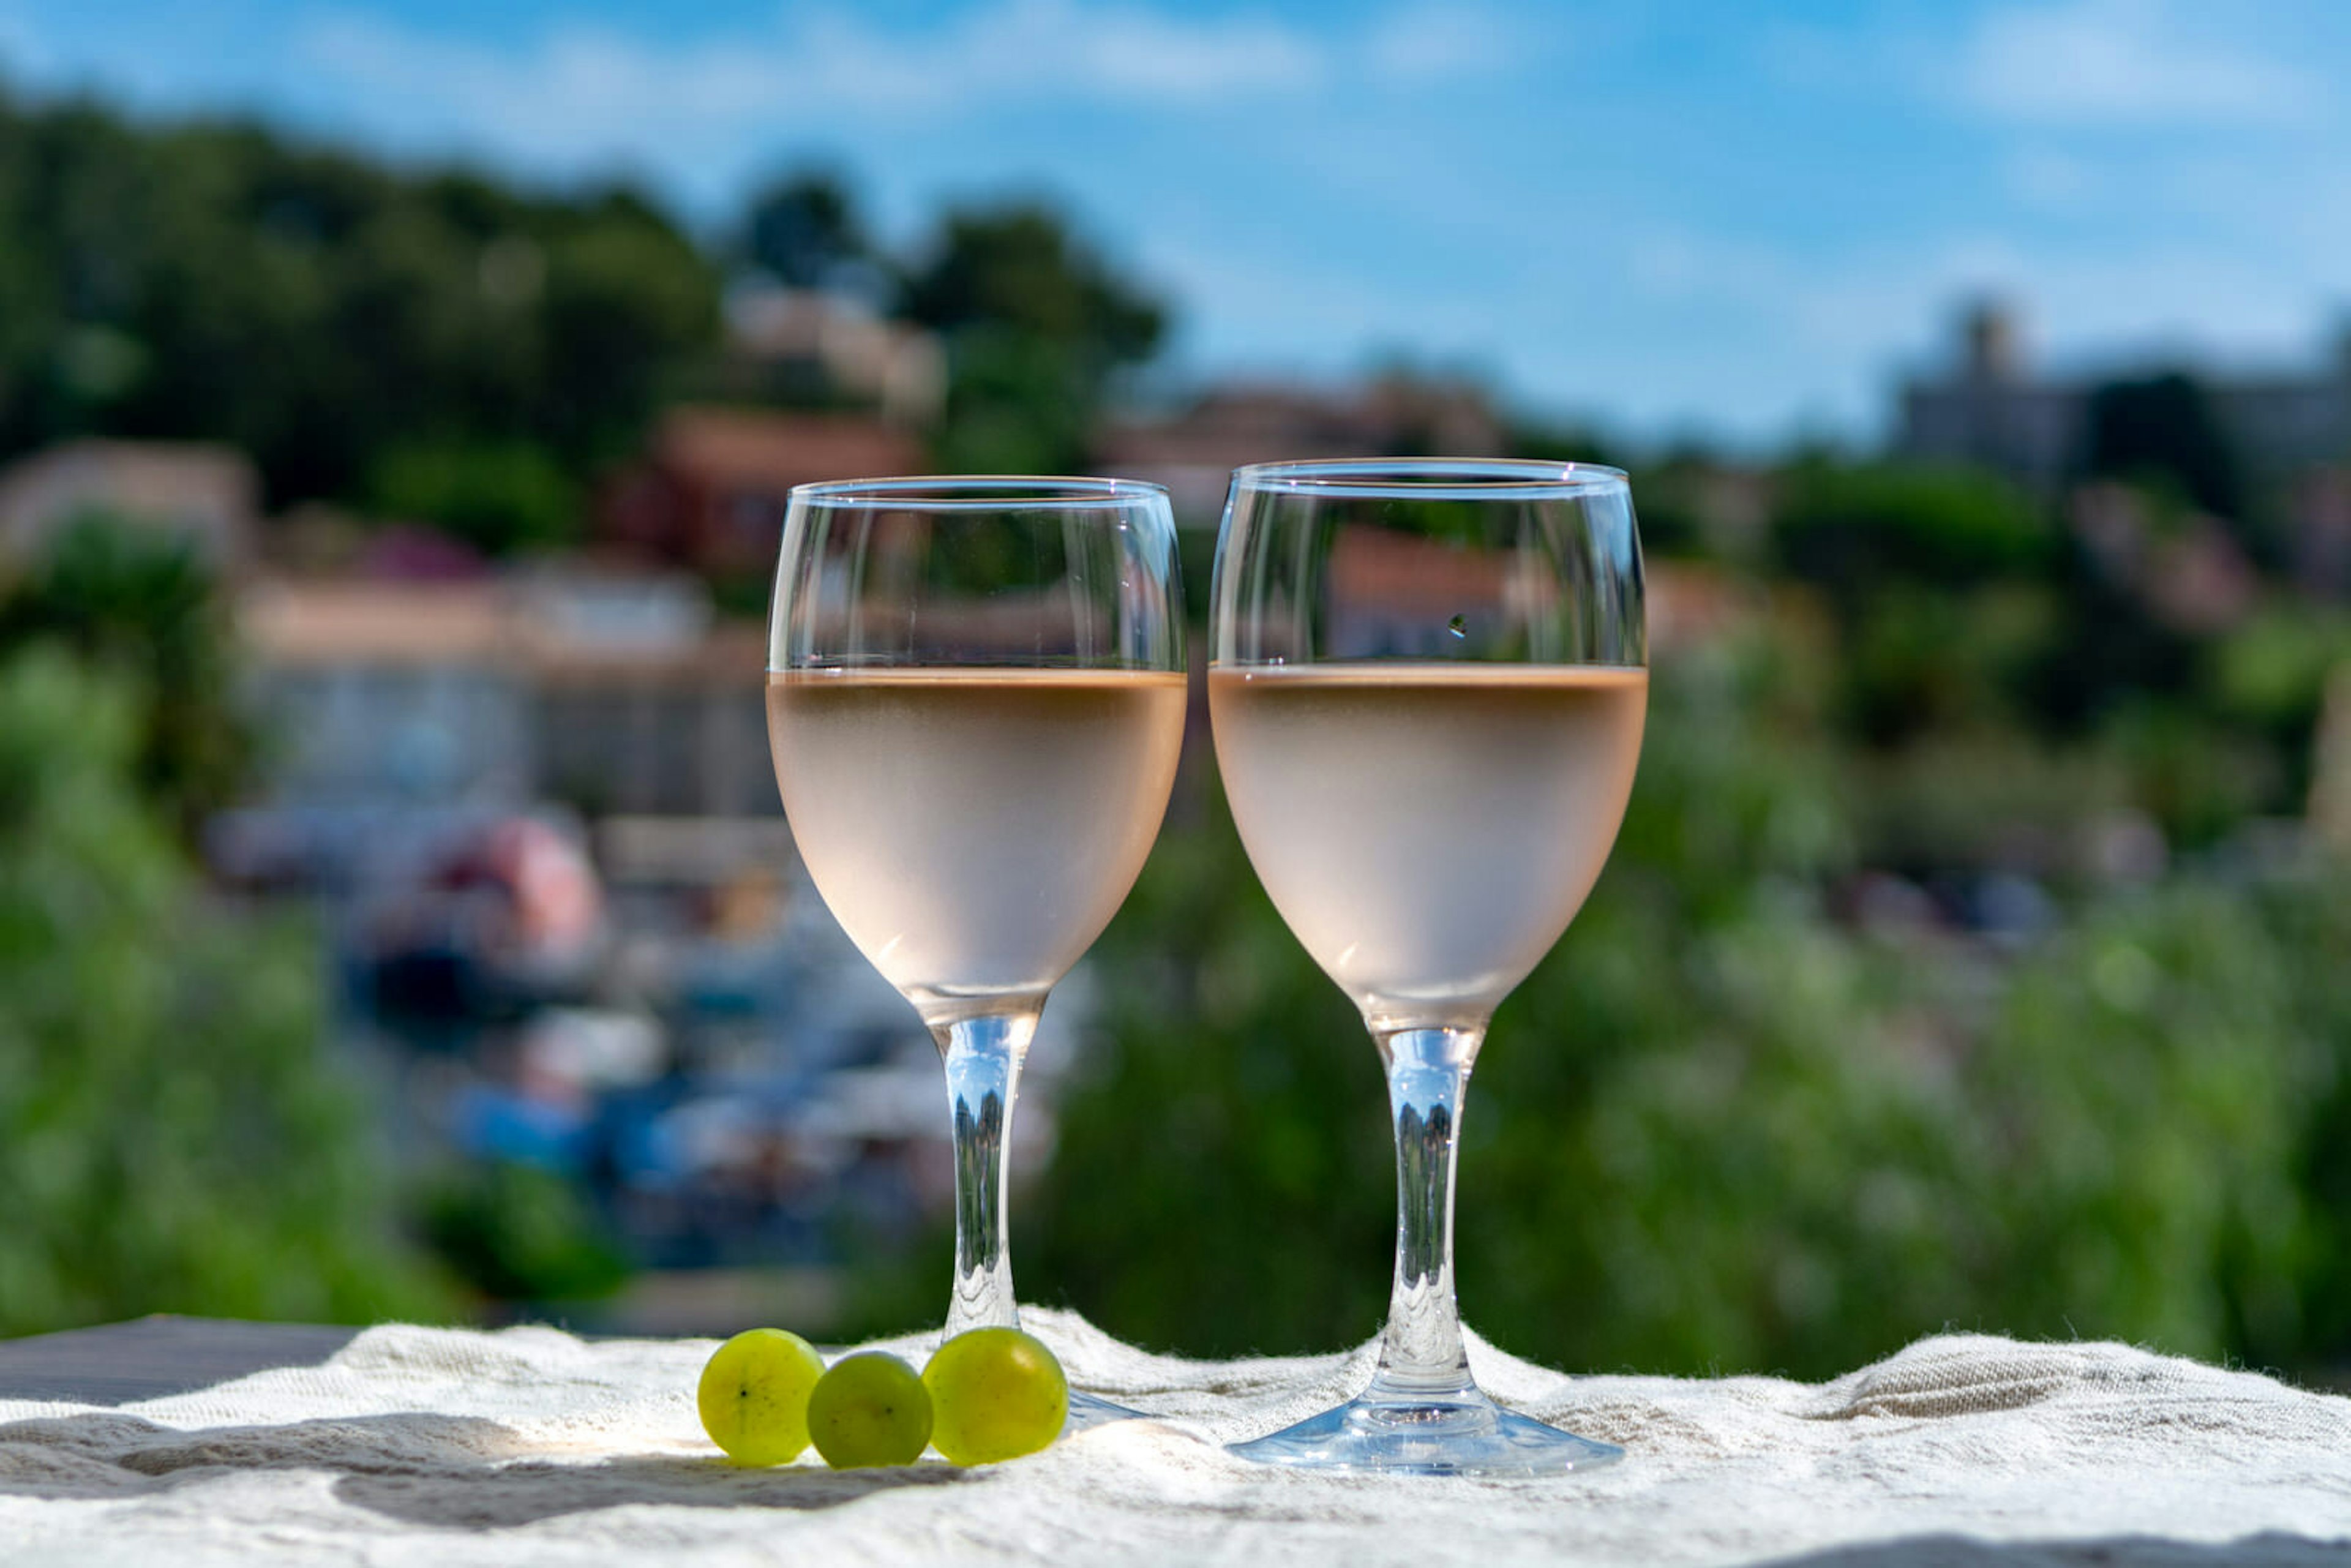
pixel 1704 216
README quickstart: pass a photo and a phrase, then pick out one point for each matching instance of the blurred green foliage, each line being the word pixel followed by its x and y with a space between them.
pixel 2163 429
pixel 1037 327
pixel 1853 528
pixel 139 603
pixel 1933 579
pixel 320 309
pixel 804 230
pixel 499 497
pixel 170 1137
pixel 520 1234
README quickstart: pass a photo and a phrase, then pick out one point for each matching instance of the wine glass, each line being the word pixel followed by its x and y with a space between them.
pixel 976 691
pixel 1427 685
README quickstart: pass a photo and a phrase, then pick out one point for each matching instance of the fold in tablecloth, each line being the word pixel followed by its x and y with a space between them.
pixel 445 1447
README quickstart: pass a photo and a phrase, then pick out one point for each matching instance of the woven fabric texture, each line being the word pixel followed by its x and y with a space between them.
pixel 444 1447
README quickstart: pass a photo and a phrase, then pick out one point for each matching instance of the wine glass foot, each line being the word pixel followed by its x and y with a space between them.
pixel 1088 1410
pixel 1469 1436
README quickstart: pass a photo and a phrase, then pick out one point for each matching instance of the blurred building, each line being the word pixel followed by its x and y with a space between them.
pixel 209 495
pixel 1194 451
pixel 1393 595
pixel 812 348
pixel 1991 410
pixel 710 491
pixel 612 693
pixel 389 690
pixel 1988 411
pixel 681 730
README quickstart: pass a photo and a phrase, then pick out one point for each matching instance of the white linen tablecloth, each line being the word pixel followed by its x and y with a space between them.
pixel 444 1447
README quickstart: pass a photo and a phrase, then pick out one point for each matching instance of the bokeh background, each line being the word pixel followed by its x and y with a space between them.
pixel 397 406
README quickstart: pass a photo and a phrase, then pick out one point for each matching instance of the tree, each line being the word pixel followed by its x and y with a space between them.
pixel 627 300
pixel 172 1137
pixel 140 604
pixel 498 496
pixel 1939 581
pixel 221 282
pixel 2164 428
pixel 1854 528
pixel 803 230
pixel 1036 325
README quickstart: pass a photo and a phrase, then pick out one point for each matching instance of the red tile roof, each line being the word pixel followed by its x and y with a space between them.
pixel 762 450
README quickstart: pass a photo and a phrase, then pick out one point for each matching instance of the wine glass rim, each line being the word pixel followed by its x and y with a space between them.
pixel 1518 478
pixel 978 492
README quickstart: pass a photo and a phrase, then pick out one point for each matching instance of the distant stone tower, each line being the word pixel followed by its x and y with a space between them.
pixel 1987 409
pixel 1994 339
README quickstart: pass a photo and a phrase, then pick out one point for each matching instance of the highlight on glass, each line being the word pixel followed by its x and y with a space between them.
pixel 976 696
pixel 1427 684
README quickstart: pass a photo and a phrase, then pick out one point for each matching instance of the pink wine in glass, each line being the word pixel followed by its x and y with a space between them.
pixel 973 829
pixel 1428 830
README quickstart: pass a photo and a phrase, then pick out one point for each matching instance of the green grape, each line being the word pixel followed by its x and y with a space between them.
pixel 997 1394
pixel 869 1409
pixel 754 1395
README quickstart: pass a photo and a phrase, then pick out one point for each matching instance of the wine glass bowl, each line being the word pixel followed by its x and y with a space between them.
pixel 1427 688
pixel 976 696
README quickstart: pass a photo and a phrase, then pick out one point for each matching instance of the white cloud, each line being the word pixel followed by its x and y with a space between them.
pixel 1437 41
pixel 577 92
pixel 1115 52
pixel 2125 63
pixel 2045 178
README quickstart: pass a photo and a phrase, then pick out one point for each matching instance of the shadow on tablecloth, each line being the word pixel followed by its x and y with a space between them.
pixel 448 1470
pixel 2271 1550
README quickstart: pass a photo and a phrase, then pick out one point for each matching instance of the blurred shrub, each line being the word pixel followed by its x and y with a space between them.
pixel 2274 669
pixel 170 1137
pixel 1987 797
pixel 499 497
pixel 1853 528
pixel 2197 776
pixel 2111 651
pixel 2164 428
pixel 2268 678
pixel 1938 581
pixel 141 604
pixel 2154 1086
pixel 519 1234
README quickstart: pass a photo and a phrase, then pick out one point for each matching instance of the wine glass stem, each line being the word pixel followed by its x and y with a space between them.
pixel 983 1057
pixel 1421 1358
